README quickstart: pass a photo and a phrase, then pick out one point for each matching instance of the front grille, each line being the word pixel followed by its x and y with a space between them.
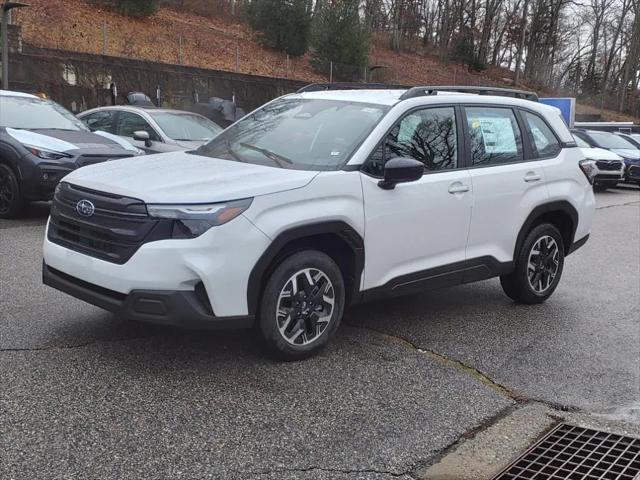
pixel 609 165
pixel 117 229
pixel 576 453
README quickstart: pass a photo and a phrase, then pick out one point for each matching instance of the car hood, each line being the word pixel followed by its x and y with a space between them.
pixel 599 154
pixel 628 153
pixel 181 177
pixel 65 141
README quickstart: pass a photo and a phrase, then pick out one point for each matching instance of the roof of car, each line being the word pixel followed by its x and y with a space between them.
pixel 9 93
pixel 393 96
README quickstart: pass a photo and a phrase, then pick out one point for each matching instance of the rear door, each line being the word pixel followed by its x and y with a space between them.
pixel 415 234
pixel 508 182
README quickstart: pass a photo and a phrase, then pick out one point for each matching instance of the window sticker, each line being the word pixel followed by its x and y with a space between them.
pixel 497 134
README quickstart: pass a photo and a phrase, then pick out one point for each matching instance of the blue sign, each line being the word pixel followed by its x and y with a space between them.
pixel 567 107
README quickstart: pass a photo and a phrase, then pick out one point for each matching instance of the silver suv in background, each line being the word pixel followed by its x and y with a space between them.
pixel 154 130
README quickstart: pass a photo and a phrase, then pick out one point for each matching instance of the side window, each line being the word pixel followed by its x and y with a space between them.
pixel 542 138
pixel 100 121
pixel 428 136
pixel 130 122
pixel 494 136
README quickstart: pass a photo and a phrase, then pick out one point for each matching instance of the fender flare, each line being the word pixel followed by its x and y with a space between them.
pixel 557 206
pixel 341 229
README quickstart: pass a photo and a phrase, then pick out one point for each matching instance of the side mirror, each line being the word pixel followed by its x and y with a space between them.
pixel 142 136
pixel 401 170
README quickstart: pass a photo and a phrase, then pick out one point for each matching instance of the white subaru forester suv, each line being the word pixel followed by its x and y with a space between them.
pixel 322 199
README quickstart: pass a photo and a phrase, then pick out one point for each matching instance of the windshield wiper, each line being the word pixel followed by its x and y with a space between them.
pixel 233 153
pixel 277 158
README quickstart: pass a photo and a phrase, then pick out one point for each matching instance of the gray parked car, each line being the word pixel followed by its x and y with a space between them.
pixel 154 130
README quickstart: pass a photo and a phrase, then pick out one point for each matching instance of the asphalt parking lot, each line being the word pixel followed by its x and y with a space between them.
pixel 405 383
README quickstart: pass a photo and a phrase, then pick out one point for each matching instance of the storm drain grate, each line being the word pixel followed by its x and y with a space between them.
pixel 575 453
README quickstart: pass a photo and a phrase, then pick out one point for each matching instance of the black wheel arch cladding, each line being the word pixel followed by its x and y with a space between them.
pixel 333 234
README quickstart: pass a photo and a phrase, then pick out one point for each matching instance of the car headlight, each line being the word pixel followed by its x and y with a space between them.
pixel 589 169
pixel 46 154
pixel 191 221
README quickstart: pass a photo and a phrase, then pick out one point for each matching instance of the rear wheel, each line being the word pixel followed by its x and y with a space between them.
pixel 538 268
pixel 10 196
pixel 302 305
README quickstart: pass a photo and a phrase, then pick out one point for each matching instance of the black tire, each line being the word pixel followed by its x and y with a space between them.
pixel 269 322
pixel 599 187
pixel 11 202
pixel 518 284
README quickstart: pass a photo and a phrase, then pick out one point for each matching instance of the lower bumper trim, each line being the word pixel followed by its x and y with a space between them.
pixel 164 307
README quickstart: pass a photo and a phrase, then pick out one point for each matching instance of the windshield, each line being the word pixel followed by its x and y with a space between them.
pixel 36 114
pixel 298 133
pixel 580 142
pixel 186 126
pixel 609 140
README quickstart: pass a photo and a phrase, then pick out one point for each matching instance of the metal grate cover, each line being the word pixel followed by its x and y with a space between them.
pixel 575 453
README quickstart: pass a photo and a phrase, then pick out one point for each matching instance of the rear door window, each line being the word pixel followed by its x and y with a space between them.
pixel 494 136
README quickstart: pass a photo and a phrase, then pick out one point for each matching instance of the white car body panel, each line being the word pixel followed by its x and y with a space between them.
pixel 566 183
pixel 502 201
pixel 416 226
pixel 187 178
pixel 331 196
pixel 221 258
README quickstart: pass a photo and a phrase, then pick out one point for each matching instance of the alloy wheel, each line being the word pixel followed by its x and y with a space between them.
pixel 305 306
pixel 544 261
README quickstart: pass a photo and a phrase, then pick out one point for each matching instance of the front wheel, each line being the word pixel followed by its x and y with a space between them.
pixel 538 268
pixel 302 305
pixel 10 197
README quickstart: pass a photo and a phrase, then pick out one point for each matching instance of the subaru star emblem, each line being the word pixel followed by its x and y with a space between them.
pixel 85 208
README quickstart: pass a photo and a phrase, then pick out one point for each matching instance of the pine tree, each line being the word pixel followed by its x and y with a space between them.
pixel 338 37
pixel 282 24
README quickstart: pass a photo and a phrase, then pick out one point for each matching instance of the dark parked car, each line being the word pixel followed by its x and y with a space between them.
pixel 40 142
pixel 616 144
pixel 154 130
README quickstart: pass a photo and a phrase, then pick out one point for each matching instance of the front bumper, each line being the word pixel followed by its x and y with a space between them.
pixel 188 309
pixel 633 173
pixel 40 178
pixel 221 259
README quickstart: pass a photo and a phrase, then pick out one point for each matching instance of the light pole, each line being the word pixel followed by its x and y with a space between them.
pixel 6 9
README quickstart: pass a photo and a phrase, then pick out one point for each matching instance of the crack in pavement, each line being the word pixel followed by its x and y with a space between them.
pixel 328 470
pixel 452 362
pixel 479 375
pixel 97 341
pixel 618 205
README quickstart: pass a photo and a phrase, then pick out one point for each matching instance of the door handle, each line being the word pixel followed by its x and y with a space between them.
pixel 532 177
pixel 458 187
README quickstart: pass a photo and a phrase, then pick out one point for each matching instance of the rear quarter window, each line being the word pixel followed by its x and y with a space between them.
pixel 544 142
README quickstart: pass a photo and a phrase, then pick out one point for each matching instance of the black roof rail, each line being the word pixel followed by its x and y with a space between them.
pixel 503 92
pixel 320 87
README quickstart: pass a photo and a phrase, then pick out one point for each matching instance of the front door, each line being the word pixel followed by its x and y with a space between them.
pixel 416 234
